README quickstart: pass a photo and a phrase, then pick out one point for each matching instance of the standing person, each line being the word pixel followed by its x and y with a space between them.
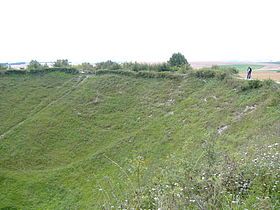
pixel 249 72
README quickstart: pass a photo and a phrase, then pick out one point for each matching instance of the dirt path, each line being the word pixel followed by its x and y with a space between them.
pixel 81 80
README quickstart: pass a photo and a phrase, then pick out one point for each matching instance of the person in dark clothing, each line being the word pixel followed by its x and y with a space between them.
pixel 249 72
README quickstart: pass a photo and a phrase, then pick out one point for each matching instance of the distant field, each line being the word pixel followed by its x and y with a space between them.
pixel 243 67
pixel 239 65
pixel 121 142
pixel 261 75
pixel 269 70
pixel 259 71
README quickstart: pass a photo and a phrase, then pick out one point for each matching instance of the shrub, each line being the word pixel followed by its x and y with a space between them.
pixel 120 72
pixel 61 63
pixel 13 71
pixel 212 180
pixel 110 65
pixel 3 67
pixel 227 69
pixel 178 59
pixel 55 69
pixel 159 67
pixel 147 67
pixel 203 73
pixel 34 65
pixel 143 74
pixel 85 67
pixel 215 71
pixel 251 84
pixel 232 70
pixel 269 83
pixel 135 66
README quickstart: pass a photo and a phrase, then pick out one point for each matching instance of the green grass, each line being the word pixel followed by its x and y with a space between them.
pixel 77 142
pixel 243 67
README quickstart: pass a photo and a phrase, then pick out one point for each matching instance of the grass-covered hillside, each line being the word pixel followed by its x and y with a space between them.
pixel 126 141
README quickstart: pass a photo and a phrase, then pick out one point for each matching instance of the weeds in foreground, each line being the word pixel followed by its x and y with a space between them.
pixel 211 181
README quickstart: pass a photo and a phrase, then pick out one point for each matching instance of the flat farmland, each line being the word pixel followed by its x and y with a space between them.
pixel 261 71
pixel 261 75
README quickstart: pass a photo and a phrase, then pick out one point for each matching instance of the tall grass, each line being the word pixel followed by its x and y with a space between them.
pixel 122 139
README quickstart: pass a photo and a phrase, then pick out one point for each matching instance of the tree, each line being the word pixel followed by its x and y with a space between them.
pixel 178 60
pixel 110 65
pixel 3 66
pixel 34 65
pixel 61 63
pixel 84 67
pixel 45 66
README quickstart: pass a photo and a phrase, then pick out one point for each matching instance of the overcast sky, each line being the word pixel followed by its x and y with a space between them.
pixel 139 30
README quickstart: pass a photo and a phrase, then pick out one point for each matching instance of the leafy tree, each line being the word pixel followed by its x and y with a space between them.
pixel 108 65
pixel 45 66
pixel 34 65
pixel 62 63
pixel 163 67
pixel 3 67
pixel 178 60
pixel 85 66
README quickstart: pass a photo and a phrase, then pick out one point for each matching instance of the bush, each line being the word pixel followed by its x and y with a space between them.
pixel 227 69
pixel 269 83
pixel 232 70
pixel 55 69
pixel 178 60
pixel 13 71
pixel 3 67
pixel 215 71
pixel 135 66
pixel 109 65
pixel 62 63
pixel 211 180
pixel 120 72
pixel 147 67
pixel 34 65
pixel 251 84
pixel 85 67
pixel 143 74
pixel 203 73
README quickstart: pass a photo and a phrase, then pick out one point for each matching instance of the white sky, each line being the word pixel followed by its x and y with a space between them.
pixel 142 30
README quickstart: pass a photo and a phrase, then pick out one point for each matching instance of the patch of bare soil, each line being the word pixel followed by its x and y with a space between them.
pixel 247 110
pixel 221 129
